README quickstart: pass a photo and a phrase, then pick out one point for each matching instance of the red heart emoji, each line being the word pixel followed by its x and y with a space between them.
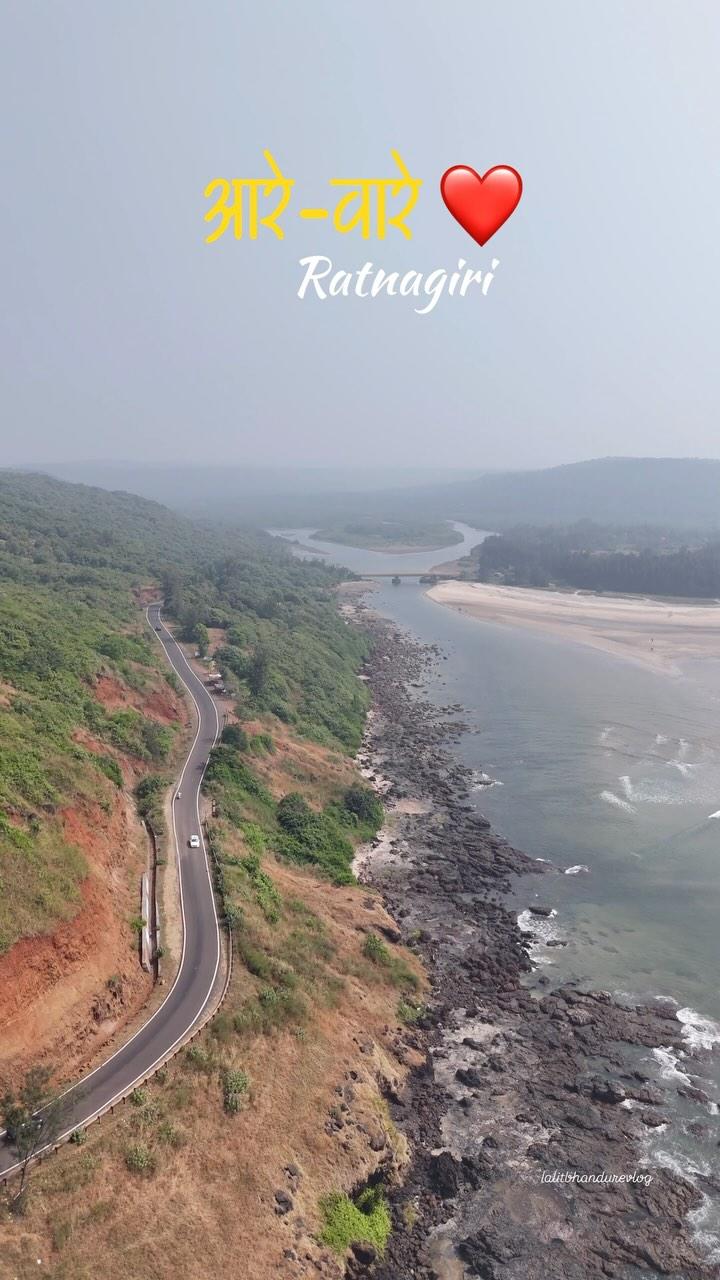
pixel 481 205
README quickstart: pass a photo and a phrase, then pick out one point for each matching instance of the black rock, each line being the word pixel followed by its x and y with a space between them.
pixel 653 1119
pixel 607 1091
pixel 445 1174
pixel 689 1091
pixel 364 1252
pixel 283 1202
pixel 469 1076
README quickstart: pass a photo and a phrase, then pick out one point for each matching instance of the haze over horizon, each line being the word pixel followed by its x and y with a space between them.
pixel 125 335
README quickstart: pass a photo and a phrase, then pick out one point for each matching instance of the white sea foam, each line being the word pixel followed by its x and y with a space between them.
pixel 543 930
pixel 716 814
pixel 680 1163
pixel 483 780
pixel 605 734
pixel 707 1241
pixel 610 798
pixel 660 739
pixel 703 1221
pixel 698 1032
pixel 650 791
pixel 669 1065
pixel 530 923
pixel 575 871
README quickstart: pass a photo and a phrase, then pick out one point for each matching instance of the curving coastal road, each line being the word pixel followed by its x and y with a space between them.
pixel 194 986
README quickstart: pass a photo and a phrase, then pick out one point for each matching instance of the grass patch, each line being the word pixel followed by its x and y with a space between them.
pixel 171 1134
pixel 347 1222
pixel 399 973
pixel 198 1058
pixel 40 877
pixel 140 1159
pixel 111 769
pixel 266 895
pixel 409 1012
pixel 317 839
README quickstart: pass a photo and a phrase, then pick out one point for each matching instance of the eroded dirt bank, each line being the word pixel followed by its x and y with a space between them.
pixel 515 1087
pixel 66 994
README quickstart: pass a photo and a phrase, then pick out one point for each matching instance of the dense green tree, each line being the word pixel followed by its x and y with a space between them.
pixel 364 804
pixel 201 638
pixel 294 813
pixel 258 671
pixel 234 736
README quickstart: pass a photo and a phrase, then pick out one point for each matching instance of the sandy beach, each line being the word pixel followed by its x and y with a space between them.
pixel 656 633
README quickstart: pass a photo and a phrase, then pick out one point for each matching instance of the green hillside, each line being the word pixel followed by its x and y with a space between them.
pixel 71 561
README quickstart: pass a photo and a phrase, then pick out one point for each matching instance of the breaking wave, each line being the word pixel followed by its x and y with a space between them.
pixel 610 798
pixel 698 1032
pixel 669 1063
pixel 483 780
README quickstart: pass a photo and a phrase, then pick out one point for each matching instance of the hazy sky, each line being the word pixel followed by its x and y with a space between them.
pixel 125 336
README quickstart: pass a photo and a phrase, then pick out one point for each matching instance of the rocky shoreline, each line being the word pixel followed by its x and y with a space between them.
pixel 520 1087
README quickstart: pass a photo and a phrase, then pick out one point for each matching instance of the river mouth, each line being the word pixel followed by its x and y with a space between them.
pixel 361 560
pixel 611 774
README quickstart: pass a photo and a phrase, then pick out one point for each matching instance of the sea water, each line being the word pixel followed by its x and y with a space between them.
pixel 611 773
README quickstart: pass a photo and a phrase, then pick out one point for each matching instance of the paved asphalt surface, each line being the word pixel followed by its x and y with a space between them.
pixel 200 961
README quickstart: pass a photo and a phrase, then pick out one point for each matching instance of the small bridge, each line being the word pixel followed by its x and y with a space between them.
pixel 423 574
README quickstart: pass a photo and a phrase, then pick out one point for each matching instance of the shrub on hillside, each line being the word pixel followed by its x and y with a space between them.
pixel 364 804
pixel 235 1087
pixel 315 838
pixel 111 769
pixel 140 1159
pixel 234 736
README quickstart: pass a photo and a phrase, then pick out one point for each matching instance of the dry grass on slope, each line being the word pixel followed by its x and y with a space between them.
pixel 313 1120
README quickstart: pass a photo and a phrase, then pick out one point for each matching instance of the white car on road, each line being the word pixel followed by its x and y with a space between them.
pixel 194 842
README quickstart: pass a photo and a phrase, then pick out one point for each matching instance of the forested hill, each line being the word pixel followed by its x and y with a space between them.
pixel 49 525
pixel 674 492
pixel 72 560
pixel 91 548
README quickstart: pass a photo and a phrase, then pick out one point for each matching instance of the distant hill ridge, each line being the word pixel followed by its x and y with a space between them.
pixel 677 492
pixel 672 492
